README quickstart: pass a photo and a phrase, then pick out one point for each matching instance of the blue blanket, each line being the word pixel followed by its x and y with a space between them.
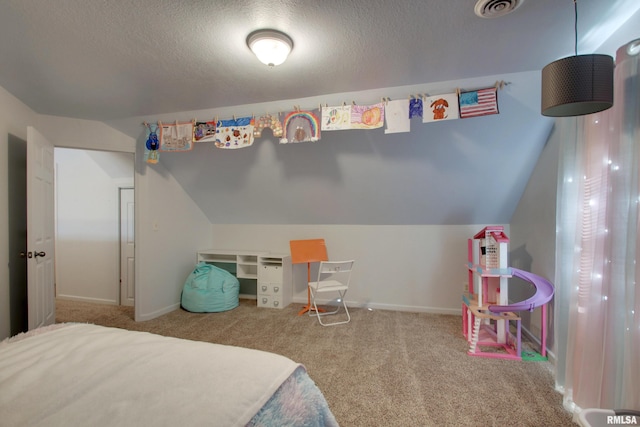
pixel 298 402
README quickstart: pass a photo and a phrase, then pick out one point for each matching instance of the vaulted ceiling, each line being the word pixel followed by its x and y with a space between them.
pixel 106 60
pixel 124 62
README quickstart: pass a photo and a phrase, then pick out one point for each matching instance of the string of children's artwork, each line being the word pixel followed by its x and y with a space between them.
pixel 305 125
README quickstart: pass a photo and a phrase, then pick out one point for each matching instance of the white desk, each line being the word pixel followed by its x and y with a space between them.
pixel 270 271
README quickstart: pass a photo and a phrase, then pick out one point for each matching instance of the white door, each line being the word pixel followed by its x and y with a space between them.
pixel 40 231
pixel 127 241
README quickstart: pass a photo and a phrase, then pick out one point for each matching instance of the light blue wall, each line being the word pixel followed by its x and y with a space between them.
pixel 466 171
pixel 533 235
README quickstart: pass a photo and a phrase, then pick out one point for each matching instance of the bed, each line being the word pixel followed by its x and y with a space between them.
pixel 82 374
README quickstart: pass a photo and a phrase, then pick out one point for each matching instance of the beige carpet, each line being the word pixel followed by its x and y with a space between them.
pixel 385 368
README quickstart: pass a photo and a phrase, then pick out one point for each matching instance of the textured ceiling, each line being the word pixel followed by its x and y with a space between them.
pixel 108 60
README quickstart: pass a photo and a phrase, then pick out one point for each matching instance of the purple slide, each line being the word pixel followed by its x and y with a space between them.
pixel 544 293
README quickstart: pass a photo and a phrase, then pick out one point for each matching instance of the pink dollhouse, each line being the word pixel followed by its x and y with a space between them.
pixel 490 324
pixel 489 332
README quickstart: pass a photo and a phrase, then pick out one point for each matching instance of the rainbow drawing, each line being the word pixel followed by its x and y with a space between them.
pixel 301 126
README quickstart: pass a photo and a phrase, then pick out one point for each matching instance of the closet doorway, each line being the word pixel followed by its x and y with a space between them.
pixel 94 214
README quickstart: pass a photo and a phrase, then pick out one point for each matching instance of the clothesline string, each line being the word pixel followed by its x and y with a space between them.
pixel 499 85
pixel 301 125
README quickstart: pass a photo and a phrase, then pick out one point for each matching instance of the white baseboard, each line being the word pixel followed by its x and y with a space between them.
pixel 391 307
pixel 85 299
pixel 148 316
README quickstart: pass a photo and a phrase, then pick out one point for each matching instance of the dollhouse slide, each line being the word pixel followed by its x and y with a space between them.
pixel 544 293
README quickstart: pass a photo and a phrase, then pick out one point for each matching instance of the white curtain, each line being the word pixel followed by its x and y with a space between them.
pixel 597 306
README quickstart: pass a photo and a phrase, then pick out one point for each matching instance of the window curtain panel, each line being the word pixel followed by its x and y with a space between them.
pixel 597 306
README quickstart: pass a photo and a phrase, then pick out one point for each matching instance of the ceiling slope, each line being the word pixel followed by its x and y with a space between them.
pixel 101 60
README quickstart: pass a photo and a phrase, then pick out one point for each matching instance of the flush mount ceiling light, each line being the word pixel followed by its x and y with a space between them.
pixel 577 85
pixel 270 46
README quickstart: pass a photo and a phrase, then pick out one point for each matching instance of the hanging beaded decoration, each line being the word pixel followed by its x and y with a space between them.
pixel 152 144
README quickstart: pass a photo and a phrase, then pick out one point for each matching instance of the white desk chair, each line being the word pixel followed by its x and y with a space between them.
pixel 333 276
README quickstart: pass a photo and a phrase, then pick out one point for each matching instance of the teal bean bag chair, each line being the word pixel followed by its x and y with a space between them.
pixel 210 289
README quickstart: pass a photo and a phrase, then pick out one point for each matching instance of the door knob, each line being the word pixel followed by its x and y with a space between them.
pixel 22 254
pixel 37 254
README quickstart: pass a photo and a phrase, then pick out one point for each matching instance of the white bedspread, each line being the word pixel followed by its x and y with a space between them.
pixel 87 375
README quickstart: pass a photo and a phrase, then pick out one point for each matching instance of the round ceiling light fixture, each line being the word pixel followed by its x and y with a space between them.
pixel 496 8
pixel 272 47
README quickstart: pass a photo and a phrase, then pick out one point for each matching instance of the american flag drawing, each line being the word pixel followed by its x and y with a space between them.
pixel 478 103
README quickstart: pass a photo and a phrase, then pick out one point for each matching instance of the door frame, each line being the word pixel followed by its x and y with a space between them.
pixel 119 183
pixel 122 299
pixel 109 192
pixel 17 244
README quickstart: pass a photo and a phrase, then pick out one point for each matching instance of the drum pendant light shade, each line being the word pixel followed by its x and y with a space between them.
pixel 577 85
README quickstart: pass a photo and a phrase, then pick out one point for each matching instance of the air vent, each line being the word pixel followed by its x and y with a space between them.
pixel 496 8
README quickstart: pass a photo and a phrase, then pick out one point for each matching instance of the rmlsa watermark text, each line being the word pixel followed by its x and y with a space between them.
pixel 625 419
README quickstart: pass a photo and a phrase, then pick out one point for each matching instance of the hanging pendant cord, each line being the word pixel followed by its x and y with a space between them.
pixel 575 25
